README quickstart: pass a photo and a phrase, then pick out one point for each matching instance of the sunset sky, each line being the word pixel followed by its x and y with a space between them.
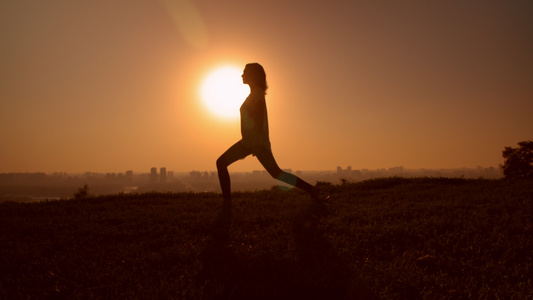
pixel 110 86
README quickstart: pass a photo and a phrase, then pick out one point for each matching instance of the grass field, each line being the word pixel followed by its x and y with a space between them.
pixel 391 238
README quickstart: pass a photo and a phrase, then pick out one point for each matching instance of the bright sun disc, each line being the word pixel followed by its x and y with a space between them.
pixel 223 92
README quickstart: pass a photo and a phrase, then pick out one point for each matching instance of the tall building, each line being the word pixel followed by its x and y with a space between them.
pixel 163 175
pixel 153 175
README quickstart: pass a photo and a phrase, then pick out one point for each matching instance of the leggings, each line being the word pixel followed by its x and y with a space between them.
pixel 265 157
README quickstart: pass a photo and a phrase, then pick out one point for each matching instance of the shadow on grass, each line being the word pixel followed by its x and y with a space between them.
pixel 316 272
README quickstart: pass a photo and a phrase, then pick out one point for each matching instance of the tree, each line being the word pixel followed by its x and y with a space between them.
pixel 518 162
pixel 82 192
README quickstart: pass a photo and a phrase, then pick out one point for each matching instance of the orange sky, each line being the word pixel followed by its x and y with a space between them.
pixel 110 86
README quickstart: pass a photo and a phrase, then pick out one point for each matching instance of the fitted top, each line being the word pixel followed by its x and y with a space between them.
pixel 254 121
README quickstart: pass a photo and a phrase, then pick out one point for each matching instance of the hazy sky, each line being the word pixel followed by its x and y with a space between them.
pixel 109 86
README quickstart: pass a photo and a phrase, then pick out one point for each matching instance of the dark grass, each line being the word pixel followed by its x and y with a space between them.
pixel 392 238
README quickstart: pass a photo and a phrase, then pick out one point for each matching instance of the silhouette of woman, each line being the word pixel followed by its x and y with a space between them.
pixel 255 139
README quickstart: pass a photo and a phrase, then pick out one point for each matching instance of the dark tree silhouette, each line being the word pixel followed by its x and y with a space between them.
pixel 82 192
pixel 518 162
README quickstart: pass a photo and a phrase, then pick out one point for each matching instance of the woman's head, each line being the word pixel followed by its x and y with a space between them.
pixel 255 76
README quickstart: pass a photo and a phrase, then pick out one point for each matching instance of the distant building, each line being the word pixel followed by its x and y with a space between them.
pixel 128 176
pixel 153 175
pixel 163 175
pixel 340 171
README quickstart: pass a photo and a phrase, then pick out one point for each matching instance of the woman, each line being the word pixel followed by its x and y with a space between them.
pixel 255 139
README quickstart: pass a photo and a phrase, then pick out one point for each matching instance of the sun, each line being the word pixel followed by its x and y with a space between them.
pixel 222 92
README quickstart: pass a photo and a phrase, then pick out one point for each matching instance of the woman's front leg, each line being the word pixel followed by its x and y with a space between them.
pixel 234 153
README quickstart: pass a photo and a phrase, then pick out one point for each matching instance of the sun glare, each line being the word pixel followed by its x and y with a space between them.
pixel 223 92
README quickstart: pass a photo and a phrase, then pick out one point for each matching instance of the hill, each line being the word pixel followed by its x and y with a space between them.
pixel 390 238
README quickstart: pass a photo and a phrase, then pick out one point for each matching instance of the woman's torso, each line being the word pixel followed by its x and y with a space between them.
pixel 254 121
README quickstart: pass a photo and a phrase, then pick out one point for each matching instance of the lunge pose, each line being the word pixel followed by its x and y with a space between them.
pixel 255 139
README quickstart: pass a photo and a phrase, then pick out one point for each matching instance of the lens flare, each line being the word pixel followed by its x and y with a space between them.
pixel 188 21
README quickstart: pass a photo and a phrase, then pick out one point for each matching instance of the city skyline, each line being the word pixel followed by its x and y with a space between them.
pixel 155 173
pixel 33 187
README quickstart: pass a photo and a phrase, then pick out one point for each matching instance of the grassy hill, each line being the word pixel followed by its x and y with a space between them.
pixel 392 238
